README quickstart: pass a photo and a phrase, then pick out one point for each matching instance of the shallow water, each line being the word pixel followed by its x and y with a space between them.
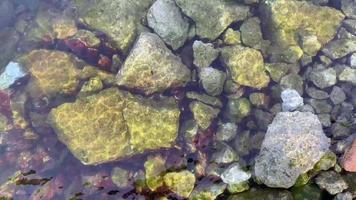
pixel 34 164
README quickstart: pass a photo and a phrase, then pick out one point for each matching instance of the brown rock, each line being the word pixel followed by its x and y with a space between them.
pixel 349 159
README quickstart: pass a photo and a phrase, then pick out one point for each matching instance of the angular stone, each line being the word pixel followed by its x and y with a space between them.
pixel 246 66
pixel 251 33
pixel 291 100
pixel 204 53
pixel 212 101
pixel 207 191
pixel 203 114
pixel 292 81
pixel 348 75
pixel 118 19
pixel 120 177
pixel 340 48
pixel 343 196
pixel 12 73
pixel 151 67
pixel 155 169
pixel 323 78
pixel 165 18
pixel 232 37
pixel 224 154
pixel 337 95
pixel 287 20
pixel 293 144
pixel 120 128
pixel 349 158
pixel 259 99
pixel 181 183
pixel 331 182
pixel 237 109
pixel 212 80
pixel 220 14
pixel 234 174
pixel 226 131
pixel 277 70
pixel 320 106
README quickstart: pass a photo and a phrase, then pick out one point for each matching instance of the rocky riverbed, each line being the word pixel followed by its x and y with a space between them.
pixel 178 99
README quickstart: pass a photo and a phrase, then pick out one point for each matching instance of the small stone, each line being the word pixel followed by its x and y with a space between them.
pixel 212 80
pixel 340 48
pixel 343 196
pixel 291 100
pixel 325 119
pixel 317 94
pixel 349 158
pixel 337 95
pixel 292 81
pixel 220 14
pixel 234 174
pixel 258 99
pixel 277 70
pixel 251 33
pixel 151 67
pixel 263 118
pixel 350 25
pixel 226 131
pixel 232 37
pixel 204 53
pixel 155 169
pixel 348 75
pixel 165 18
pixel 331 182
pixel 237 109
pixel 320 106
pixel 349 8
pixel 224 154
pixel 93 85
pixel 293 144
pixel 13 72
pixel 326 162
pixel 352 60
pixel 203 114
pixel 120 177
pixel 212 101
pixel 323 78
pixel 310 44
pixel 207 191
pixel 181 183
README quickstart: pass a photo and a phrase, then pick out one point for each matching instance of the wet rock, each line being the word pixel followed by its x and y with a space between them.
pixel 246 66
pixel 204 53
pixel 12 73
pixel 307 192
pixel 323 78
pixel 294 142
pixel 120 177
pixel 121 119
pixel 317 94
pixel 155 169
pixel 165 18
pixel 251 33
pixel 212 80
pixel 203 114
pixel 93 85
pixel 331 182
pixel 292 81
pixel 350 25
pixel 325 163
pixel 236 178
pixel 339 48
pixel 352 60
pixel 343 196
pixel 7 11
pixel 232 37
pixel 212 101
pixel 325 119
pixel 277 70
pixel 8 47
pixel 349 158
pixel 337 95
pixel 320 106
pixel 207 191
pixel 349 8
pixel 226 131
pixel 263 194
pixel 151 67
pixel 291 100
pixel 220 14
pixel 310 44
pixel 348 75
pixel 181 183
pixel 237 109
pixel 288 20
pixel 224 154
pixel 118 19
pixel 88 38
pixel 259 99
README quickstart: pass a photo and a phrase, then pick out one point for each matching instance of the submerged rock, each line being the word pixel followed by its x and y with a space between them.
pixel 349 158
pixel 293 144
pixel 339 48
pixel 165 18
pixel 122 125
pixel 12 73
pixel 155 169
pixel 204 53
pixel 246 66
pixel 220 15
pixel 212 80
pixel 181 183
pixel 236 178
pixel 348 75
pixel 286 21
pixel 331 182
pixel 203 114
pixel 207 191
pixel 291 100
pixel 323 78
pixel 118 19
pixel 151 67
pixel 349 8
pixel 9 38
pixel 120 177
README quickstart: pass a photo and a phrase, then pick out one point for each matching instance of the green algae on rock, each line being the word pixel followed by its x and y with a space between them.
pixel 119 19
pixel 203 114
pixel 119 128
pixel 212 17
pixel 181 183
pixel 288 21
pixel 155 169
pixel 246 66
pixel 151 67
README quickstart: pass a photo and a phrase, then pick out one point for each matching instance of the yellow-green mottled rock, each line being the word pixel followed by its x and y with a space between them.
pixel 181 183
pixel 151 67
pixel 203 114
pixel 119 19
pixel 293 25
pixel 232 37
pixel 120 125
pixel 212 17
pixel 246 66
pixel 155 169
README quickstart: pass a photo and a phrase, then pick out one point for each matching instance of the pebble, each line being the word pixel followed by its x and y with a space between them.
pixel 226 132
pixel 323 78
pixel 348 75
pixel 337 95
pixel 316 93
pixel 349 158
pixel 291 100
pixel 331 182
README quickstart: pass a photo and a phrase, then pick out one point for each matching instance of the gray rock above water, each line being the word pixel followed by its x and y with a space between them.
pixel 12 73
pixel 331 182
pixel 293 144
pixel 165 18
pixel 291 100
